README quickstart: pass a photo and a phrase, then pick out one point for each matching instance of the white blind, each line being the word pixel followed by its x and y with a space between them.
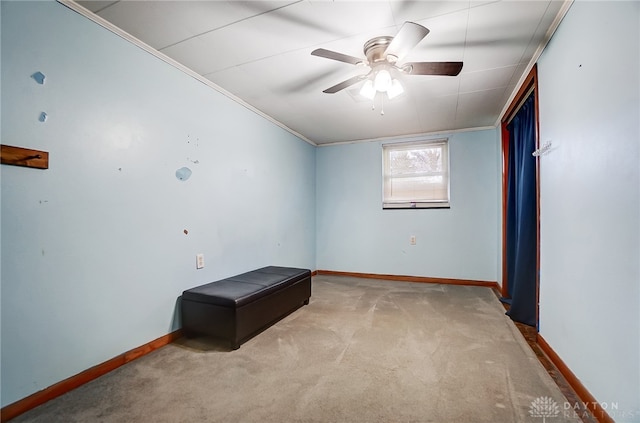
pixel 416 175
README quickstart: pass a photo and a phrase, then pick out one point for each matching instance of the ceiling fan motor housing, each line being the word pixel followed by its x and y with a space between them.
pixel 375 49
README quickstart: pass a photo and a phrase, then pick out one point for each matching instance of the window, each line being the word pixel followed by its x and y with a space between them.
pixel 416 175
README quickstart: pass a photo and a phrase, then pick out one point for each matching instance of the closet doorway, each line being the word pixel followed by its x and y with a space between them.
pixel 521 204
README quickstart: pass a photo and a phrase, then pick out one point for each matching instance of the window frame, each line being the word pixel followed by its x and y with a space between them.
pixel 417 203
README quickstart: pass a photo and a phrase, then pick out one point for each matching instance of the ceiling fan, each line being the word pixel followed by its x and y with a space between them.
pixel 382 56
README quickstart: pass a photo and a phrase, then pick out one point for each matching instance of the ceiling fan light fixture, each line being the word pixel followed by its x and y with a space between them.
pixel 368 90
pixel 382 81
pixel 395 89
pixel 383 54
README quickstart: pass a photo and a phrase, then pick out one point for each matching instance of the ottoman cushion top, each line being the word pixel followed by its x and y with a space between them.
pixel 247 287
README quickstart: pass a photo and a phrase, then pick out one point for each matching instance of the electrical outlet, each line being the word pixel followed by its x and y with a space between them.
pixel 412 240
pixel 199 261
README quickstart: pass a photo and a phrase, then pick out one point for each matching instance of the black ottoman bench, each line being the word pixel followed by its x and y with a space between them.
pixel 239 307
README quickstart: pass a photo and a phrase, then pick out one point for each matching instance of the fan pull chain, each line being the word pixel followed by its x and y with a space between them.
pixel 382 105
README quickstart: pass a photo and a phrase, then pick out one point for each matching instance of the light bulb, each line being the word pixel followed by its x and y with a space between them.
pixel 382 81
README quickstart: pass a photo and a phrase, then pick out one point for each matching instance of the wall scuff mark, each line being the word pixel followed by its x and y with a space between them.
pixel 183 173
pixel 39 77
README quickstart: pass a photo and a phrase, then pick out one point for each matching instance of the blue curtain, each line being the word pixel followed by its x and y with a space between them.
pixel 521 216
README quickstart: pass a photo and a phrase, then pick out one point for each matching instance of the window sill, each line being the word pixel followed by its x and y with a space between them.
pixel 405 206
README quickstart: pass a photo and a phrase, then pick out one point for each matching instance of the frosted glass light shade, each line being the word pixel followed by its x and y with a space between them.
pixel 382 81
pixel 367 90
pixel 395 89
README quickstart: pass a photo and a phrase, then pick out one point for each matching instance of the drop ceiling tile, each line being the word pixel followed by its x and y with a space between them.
pixel 338 19
pixel 485 58
pixel 164 23
pixel 96 5
pixel 238 82
pixel 298 72
pixel 506 20
pixel 421 10
pixel 358 121
pixel 487 79
pixel 437 113
pixel 199 17
pixel 445 41
pixel 202 57
pixel 430 87
pixel 146 21
pixel 270 34
pixel 480 108
pixel 500 33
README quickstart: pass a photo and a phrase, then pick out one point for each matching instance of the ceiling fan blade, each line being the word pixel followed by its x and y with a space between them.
pixel 328 54
pixel 406 39
pixel 433 68
pixel 345 84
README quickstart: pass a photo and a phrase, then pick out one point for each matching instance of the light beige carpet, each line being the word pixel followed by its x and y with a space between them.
pixel 361 351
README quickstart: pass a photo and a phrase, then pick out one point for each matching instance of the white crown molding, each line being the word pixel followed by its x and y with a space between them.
pixel 547 37
pixel 411 137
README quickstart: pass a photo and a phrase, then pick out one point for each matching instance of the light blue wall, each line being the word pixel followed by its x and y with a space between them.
pixel 93 250
pixel 354 234
pixel 94 255
pixel 590 194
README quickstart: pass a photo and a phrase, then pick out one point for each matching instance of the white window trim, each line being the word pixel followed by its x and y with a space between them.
pixel 417 203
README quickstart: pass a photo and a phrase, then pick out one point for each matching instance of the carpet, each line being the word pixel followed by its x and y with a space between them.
pixel 362 351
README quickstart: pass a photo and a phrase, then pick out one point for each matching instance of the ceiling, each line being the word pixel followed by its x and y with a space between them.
pixel 260 52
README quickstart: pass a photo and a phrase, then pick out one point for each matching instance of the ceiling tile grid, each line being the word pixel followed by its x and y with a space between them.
pixel 260 51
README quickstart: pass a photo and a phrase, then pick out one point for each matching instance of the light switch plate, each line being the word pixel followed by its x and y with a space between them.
pixel 199 261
